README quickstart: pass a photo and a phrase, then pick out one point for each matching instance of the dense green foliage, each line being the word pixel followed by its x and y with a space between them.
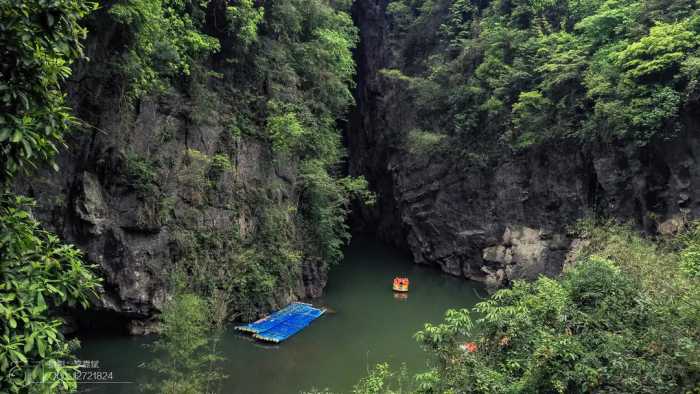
pixel 522 73
pixel 608 324
pixel 167 39
pixel 38 42
pixel 305 60
pixel 38 274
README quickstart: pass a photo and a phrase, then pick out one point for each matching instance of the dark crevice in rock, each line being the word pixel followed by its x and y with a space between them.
pixel 369 149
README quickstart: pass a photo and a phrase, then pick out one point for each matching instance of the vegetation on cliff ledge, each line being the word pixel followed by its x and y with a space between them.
pixel 522 73
pixel 279 73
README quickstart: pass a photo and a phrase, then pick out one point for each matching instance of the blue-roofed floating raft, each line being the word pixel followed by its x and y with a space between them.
pixel 284 323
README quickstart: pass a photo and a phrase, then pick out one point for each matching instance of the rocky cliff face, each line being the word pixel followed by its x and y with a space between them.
pixel 164 180
pixel 509 218
pixel 155 182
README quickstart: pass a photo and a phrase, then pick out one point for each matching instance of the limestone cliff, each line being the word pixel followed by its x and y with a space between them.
pixel 155 183
pixel 507 218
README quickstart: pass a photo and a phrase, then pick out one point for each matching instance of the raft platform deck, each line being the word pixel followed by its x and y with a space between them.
pixel 284 323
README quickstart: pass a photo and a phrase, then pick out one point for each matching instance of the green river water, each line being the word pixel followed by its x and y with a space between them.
pixel 367 325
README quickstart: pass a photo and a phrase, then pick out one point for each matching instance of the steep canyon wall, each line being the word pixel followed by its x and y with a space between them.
pixel 511 217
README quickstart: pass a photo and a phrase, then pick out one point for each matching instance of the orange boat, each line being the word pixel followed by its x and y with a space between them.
pixel 400 284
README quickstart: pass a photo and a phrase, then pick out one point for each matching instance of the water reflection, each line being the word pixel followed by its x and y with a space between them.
pixel 400 296
pixel 336 350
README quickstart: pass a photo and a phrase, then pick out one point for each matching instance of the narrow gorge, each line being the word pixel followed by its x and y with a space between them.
pixel 366 196
pixel 150 184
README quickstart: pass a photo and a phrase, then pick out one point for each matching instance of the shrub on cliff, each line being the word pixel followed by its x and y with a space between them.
pixel 524 73
pixel 166 39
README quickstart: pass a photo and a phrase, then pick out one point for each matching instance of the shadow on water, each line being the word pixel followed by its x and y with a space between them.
pixel 367 323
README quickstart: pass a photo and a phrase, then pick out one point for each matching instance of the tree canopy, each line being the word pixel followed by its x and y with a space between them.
pixel 524 73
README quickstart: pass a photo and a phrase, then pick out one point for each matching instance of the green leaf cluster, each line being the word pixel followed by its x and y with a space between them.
pixel 382 380
pixel 244 18
pixel 39 274
pixel 39 40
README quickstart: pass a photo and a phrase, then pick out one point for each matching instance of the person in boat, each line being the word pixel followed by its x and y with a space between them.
pixel 400 284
